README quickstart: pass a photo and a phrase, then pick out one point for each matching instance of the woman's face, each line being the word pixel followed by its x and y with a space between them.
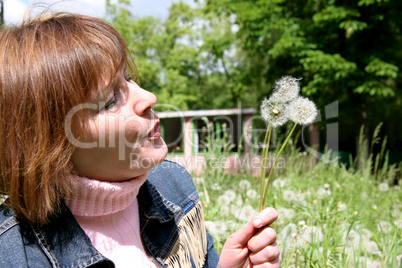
pixel 122 139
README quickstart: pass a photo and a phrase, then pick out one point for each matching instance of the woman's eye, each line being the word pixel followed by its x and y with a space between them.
pixel 110 104
pixel 128 78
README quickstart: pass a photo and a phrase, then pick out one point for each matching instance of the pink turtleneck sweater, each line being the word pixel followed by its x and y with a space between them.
pixel 108 213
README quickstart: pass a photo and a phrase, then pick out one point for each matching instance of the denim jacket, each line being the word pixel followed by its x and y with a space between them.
pixel 171 222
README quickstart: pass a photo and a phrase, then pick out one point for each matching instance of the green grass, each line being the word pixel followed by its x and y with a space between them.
pixel 329 216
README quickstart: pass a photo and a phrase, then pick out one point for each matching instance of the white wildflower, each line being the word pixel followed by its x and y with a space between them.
pixel 376 264
pixel 224 200
pixel 301 223
pixel 230 194
pixel 239 201
pixel 352 238
pixel 211 227
pixel 300 198
pixel 321 192
pixel 251 193
pixel 286 89
pixel 244 184
pixel 327 186
pixel 289 195
pixel 278 183
pixel 383 187
pixel 215 187
pixel 286 232
pixel 224 211
pixel 313 234
pixel 286 213
pixel 246 213
pixel 398 260
pixel 384 226
pixel 221 228
pixel 235 210
pixel 302 111
pixel 371 247
pixel 274 113
pixel 341 207
pixel 231 225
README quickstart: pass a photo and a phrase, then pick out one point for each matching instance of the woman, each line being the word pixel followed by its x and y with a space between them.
pixel 82 161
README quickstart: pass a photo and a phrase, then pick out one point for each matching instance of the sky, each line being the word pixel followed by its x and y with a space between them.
pixel 14 9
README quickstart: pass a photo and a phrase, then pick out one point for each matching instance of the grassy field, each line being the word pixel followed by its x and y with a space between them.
pixel 329 215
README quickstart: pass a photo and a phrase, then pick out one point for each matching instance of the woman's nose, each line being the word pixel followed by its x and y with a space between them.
pixel 145 100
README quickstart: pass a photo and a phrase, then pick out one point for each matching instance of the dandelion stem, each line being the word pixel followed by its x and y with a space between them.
pixel 264 162
pixel 273 167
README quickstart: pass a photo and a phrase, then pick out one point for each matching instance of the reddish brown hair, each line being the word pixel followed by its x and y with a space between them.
pixel 48 65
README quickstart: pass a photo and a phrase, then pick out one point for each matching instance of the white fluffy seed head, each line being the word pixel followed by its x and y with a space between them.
pixel 302 111
pixel 274 112
pixel 286 89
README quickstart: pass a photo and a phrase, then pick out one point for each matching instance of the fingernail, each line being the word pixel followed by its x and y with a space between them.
pixel 257 222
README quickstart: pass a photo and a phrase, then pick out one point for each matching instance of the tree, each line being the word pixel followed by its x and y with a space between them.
pixel 344 50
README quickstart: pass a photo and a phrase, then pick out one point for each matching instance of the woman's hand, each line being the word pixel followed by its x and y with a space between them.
pixel 254 245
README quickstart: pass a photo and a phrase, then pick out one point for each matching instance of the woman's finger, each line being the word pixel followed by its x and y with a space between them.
pixel 262 239
pixel 268 254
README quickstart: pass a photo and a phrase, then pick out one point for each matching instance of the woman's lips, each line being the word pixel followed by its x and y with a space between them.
pixel 156 133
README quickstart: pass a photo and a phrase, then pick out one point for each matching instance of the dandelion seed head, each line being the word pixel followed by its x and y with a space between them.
pixel 301 223
pixel 289 195
pixel 230 194
pixel 215 187
pixel 251 193
pixel 286 89
pixel 398 260
pixel 384 226
pixel 246 213
pixel 286 213
pixel 211 227
pixel 273 112
pixel 341 207
pixel 383 187
pixel 322 192
pixel 287 232
pixel 302 111
pixel 352 238
pixel 371 247
pixel 220 228
pixel 313 234
pixel 224 200
pixel 224 211
pixel 244 184
pixel 278 183
pixel 376 264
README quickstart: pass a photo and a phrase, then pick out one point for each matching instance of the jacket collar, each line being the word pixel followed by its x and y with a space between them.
pixel 66 244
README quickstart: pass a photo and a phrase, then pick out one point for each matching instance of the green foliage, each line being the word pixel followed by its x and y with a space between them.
pixel 329 215
pixel 348 51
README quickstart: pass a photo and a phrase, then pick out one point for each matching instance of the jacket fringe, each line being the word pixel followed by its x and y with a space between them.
pixel 192 241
